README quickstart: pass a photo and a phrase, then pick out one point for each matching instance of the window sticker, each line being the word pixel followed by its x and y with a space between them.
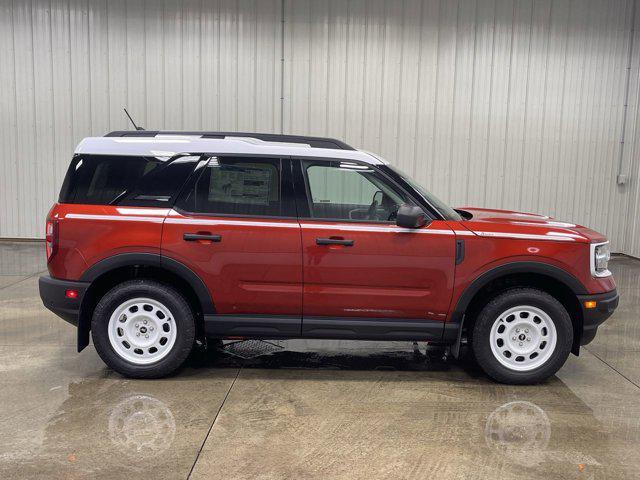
pixel 249 184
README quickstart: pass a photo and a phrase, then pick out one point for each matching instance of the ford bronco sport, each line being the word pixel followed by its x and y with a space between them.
pixel 160 239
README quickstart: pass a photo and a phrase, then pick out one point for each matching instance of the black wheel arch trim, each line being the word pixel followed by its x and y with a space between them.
pixel 109 264
pixel 457 316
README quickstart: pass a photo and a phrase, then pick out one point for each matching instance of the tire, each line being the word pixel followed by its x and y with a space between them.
pixel 145 315
pixel 522 336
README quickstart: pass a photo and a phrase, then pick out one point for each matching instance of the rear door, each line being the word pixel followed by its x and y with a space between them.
pixel 365 277
pixel 235 227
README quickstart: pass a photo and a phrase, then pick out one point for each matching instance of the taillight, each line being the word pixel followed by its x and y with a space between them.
pixel 51 238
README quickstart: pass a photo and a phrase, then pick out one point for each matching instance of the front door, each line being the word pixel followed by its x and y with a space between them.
pixel 235 227
pixel 365 277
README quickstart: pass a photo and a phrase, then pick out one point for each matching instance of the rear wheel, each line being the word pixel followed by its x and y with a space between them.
pixel 522 336
pixel 143 329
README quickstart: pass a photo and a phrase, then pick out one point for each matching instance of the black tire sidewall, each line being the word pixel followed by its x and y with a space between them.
pixel 513 298
pixel 177 305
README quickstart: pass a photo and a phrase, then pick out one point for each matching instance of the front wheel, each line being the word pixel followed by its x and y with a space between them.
pixel 143 329
pixel 522 336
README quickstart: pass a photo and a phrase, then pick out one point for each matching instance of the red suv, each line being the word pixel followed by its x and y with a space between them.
pixel 160 239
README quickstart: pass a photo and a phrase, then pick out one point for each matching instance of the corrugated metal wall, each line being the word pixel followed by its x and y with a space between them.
pixel 630 160
pixel 498 103
pixel 67 67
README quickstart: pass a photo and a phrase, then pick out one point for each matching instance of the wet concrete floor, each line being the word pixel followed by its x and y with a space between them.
pixel 308 409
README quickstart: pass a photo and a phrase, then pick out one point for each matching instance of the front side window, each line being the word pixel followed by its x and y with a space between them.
pixel 349 191
pixel 237 186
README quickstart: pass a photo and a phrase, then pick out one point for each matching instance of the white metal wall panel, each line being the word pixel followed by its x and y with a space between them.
pixel 500 103
pixel 630 160
pixel 509 104
pixel 67 68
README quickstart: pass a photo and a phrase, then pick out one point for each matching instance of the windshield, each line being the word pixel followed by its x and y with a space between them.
pixel 447 212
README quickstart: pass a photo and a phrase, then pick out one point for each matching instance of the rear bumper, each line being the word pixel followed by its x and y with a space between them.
pixel 53 295
pixel 592 318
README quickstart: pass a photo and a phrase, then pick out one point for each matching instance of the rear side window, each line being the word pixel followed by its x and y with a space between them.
pixel 238 186
pixel 125 180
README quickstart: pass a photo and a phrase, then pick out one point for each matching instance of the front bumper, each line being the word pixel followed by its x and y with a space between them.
pixel 53 295
pixel 592 318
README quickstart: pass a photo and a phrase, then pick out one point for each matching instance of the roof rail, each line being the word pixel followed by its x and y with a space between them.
pixel 315 142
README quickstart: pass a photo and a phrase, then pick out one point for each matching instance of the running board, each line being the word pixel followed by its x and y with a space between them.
pixel 354 328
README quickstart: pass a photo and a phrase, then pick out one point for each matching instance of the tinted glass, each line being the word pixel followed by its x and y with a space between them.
pixel 445 210
pixel 238 186
pixel 125 180
pixel 348 191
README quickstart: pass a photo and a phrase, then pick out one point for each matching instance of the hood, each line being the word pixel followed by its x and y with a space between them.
pixel 485 222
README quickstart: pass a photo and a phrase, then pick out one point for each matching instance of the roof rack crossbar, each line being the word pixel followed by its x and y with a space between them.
pixel 315 142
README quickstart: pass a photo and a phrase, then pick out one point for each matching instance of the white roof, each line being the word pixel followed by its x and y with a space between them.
pixel 166 146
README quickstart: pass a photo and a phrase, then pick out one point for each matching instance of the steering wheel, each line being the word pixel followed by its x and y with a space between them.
pixel 376 201
pixel 371 211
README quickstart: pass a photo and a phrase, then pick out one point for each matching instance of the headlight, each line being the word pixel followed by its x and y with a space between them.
pixel 600 255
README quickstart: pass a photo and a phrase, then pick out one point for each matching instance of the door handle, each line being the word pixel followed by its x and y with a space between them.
pixel 334 241
pixel 194 237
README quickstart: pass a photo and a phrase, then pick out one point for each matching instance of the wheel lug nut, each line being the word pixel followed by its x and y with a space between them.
pixel 526 330
pixel 151 328
pixel 513 338
pixel 520 343
pixel 138 334
pixel 517 330
pixel 146 336
pixel 144 321
pixel 137 325
pixel 528 339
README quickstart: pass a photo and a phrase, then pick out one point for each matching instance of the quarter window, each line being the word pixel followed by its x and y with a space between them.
pixel 351 191
pixel 238 186
pixel 125 180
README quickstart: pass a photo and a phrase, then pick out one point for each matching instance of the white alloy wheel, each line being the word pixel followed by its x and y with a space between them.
pixel 523 338
pixel 142 331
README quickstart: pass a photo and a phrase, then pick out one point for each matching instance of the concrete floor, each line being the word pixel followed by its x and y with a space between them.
pixel 313 409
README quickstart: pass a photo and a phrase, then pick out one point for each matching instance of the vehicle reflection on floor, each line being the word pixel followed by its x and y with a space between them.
pixel 307 409
pixel 141 425
pixel 112 426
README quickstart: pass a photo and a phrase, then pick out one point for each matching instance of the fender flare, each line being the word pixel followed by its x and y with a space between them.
pixel 109 264
pixel 458 314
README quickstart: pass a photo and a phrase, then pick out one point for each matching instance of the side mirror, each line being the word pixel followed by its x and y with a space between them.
pixel 410 216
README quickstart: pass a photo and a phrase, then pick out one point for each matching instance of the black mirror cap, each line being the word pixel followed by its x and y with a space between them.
pixel 410 216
